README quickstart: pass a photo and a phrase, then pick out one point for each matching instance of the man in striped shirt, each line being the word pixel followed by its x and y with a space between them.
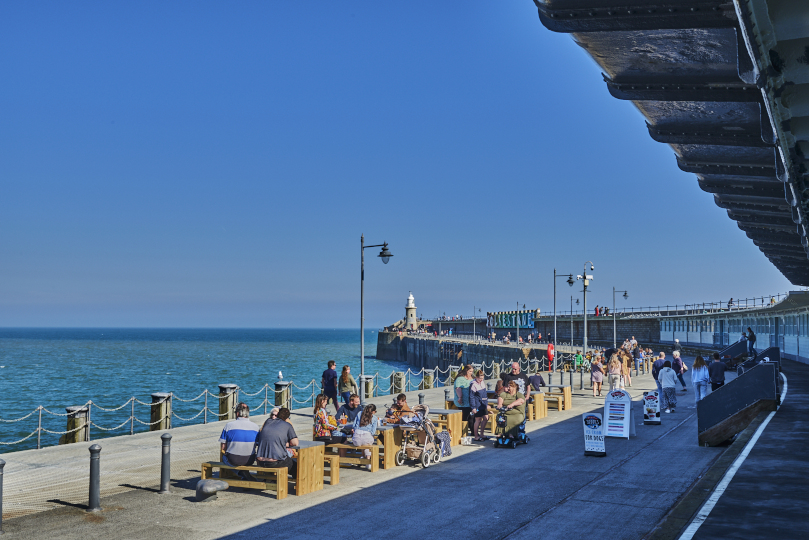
pixel 238 441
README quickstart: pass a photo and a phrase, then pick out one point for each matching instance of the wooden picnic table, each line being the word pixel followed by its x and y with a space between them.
pixel 564 390
pixel 454 423
pixel 309 477
pixel 391 440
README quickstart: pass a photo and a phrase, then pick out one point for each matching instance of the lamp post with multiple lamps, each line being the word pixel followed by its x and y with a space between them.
pixel 572 348
pixel 586 280
pixel 614 327
pixel 385 255
pixel 569 282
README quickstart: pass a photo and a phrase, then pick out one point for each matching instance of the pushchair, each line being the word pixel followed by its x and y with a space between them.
pixel 502 439
pixel 418 439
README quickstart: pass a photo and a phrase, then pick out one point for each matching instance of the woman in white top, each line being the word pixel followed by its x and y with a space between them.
pixel 700 378
pixel 668 381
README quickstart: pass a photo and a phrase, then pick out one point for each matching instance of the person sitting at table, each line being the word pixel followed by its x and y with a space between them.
pixel 536 381
pixel 514 402
pixel 365 426
pixel 399 409
pixel 238 440
pixel 479 401
pixel 498 388
pixel 325 424
pixel 350 411
pixel 273 441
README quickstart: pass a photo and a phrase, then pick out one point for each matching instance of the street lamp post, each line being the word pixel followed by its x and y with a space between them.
pixel 569 282
pixel 586 280
pixel 614 327
pixel 385 255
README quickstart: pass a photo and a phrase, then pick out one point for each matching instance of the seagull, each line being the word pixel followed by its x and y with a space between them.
pixel 280 376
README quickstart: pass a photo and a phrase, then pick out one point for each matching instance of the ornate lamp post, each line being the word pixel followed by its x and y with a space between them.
pixel 385 255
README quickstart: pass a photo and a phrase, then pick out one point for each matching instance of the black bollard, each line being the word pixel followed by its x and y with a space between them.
pixel 165 464
pixel 581 379
pixel 95 479
pixel 421 398
pixel 550 377
pixel 2 464
pixel 571 379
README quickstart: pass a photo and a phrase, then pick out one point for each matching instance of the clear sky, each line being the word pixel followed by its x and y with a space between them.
pixel 213 164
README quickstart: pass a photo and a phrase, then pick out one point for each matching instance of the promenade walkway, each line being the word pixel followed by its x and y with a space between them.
pixel 547 488
pixel 768 497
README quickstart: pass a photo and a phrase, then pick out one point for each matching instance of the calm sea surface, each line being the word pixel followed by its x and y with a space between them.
pixel 57 368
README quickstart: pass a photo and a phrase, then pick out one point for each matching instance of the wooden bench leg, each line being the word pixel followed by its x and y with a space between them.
pixel 334 470
pixel 207 472
pixel 281 483
pixel 374 458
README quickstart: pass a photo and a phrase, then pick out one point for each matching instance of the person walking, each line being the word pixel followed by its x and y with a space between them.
pixel 700 378
pixel 716 371
pixel 597 375
pixel 637 355
pixel 668 380
pixel 615 372
pixel 656 367
pixel 328 382
pixel 751 342
pixel 677 347
pixel 347 385
pixel 679 368
pixel 479 401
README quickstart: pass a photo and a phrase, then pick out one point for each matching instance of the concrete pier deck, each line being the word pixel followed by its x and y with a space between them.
pixel 547 488
pixel 767 497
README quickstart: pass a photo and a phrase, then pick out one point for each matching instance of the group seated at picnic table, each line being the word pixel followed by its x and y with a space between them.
pixel 272 446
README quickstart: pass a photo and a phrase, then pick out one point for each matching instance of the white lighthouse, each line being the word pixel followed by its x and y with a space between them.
pixel 411 321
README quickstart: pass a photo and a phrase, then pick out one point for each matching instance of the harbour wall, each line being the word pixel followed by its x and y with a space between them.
pixel 442 352
pixel 431 353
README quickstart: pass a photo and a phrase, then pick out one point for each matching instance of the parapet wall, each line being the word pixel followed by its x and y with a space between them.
pixel 444 352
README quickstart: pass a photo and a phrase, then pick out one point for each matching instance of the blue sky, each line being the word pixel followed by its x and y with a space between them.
pixel 213 164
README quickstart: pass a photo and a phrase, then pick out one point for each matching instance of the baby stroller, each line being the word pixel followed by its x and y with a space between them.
pixel 418 439
pixel 505 441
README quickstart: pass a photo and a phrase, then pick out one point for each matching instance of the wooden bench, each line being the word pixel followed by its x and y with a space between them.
pixel 373 461
pixel 280 485
pixel 333 463
pixel 557 399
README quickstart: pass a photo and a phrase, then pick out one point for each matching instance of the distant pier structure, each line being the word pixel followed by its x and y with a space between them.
pixel 781 321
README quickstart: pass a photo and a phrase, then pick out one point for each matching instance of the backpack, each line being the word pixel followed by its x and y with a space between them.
pixel 442 440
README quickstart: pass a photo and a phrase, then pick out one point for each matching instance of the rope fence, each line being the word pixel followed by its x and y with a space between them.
pixel 102 419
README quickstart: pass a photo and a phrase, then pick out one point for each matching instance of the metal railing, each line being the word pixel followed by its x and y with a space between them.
pixel 697 308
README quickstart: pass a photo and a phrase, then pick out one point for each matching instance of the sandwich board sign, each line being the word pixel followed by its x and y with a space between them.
pixel 593 435
pixel 651 408
pixel 618 414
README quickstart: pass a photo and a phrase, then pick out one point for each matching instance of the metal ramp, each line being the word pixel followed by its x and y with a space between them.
pixel 770 354
pixel 729 409
pixel 733 353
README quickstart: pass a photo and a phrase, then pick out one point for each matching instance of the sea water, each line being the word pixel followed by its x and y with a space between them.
pixel 57 368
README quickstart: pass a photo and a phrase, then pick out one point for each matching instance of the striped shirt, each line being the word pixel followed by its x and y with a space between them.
pixel 239 437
